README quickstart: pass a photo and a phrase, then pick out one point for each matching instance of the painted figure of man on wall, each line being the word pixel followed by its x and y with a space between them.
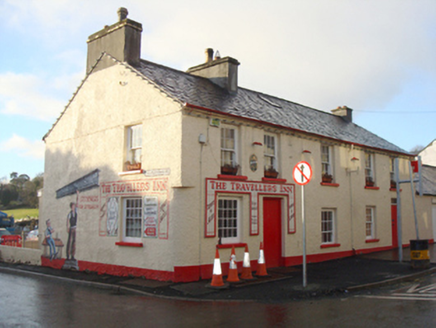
pixel 71 228
pixel 50 241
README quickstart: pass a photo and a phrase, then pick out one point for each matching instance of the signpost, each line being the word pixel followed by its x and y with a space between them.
pixel 302 174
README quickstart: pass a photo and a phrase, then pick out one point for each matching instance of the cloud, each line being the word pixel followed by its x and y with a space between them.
pixel 320 53
pixel 316 52
pixel 31 96
pixel 24 147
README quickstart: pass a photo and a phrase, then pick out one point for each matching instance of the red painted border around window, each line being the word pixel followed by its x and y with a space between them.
pixel 330 245
pixel 232 177
pixel 271 180
pixel 329 184
pixel 236 245
pixel 122 243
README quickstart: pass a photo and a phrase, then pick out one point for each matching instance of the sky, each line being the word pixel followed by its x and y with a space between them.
pixel 374 56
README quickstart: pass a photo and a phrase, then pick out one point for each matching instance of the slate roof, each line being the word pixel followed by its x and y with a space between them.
pixel 428 180
pixel 199 91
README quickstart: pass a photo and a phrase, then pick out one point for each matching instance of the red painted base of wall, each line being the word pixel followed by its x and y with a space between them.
pixel 196 272
pixel 114 270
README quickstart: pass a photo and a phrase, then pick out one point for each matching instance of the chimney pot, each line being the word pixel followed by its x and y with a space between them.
pixel 345 112
pixel 122 13
pixel 209 55
pixel 217 55
pixel 221 71
pixel 121 40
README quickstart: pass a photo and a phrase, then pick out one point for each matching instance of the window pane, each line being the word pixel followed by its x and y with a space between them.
pixel 327 227
pixel 227 218
pixel 133 217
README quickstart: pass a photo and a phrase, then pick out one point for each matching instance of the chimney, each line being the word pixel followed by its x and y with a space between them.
pixel 221 71
pixel 121 40
pixel 345 112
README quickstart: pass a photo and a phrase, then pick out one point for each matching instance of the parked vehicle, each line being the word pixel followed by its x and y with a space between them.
pixel 7 222
pixel 5 232
pixel 32 235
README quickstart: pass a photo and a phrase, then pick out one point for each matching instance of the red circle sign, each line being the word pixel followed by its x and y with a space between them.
pixel 302 173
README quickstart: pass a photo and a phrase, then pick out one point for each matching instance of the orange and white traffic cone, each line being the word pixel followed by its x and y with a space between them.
pixel 261 265
pixel 217 276
pixel 233 268
pixel 246 266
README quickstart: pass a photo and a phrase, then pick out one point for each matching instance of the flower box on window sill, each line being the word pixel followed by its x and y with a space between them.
pixel 369 182
pixel 372 240
pixel 271 173
pixel 327 178
pixel 229 170
pixel 393 185
pixel 133 167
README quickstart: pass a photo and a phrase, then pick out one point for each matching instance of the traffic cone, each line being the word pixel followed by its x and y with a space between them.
pixel 261 265
pixel 246 266
pixel 217 276
pixel 233 268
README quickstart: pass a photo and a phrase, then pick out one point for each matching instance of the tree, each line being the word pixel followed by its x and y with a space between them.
pixel 417 149
pixel 21 191
pixel 8 195
pixel 19 180
pixel 29 192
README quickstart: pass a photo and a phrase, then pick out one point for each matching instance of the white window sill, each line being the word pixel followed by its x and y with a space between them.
pixel 130 172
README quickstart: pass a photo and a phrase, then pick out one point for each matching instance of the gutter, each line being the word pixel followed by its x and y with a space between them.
pixel 188 105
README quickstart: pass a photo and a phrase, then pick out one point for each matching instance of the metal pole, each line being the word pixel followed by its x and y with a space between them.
pixel 351 211
pixel 304 237
pixel 420 175
pixel 413 200
pixel 399 228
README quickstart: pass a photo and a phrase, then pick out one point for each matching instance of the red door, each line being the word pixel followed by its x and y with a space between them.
pixel 272 231
pixel 394 225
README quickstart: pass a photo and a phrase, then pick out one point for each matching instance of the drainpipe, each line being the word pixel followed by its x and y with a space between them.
pixel 202 141
pixel 349 171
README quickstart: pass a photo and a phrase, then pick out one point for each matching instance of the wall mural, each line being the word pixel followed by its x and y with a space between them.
pixel 112 217
pixel 49 240
pixel 107 206
pixel 71 261
pixel 53 246
pixel 155 205
pixel 215 187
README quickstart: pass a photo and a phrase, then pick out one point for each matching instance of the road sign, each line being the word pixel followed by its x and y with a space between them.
pixel 302 173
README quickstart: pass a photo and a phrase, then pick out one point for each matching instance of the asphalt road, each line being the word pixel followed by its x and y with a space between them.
pixel 39 301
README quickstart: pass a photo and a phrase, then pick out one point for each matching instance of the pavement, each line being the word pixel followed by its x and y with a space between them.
pixel 330 278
